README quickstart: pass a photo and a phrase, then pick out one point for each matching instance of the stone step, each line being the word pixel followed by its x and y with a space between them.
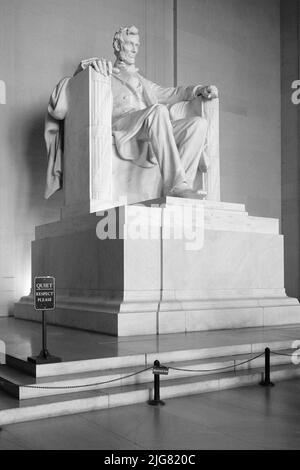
pixel 22 386
pixel 143 360
pixel 38 408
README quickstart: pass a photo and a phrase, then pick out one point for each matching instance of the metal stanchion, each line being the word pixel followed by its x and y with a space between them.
pixel 157 371
pixel 44 352
pixel 44 357
pixel 266 382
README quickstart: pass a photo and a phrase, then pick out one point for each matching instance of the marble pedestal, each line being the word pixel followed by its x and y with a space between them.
pixel 171 265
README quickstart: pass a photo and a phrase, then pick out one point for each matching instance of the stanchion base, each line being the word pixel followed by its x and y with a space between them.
pixel 266 384
pixel 156 403
pixel 43 358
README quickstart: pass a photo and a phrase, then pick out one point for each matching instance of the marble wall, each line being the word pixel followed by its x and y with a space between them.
pixel 41 42
pixel 290 47
pixel 233 43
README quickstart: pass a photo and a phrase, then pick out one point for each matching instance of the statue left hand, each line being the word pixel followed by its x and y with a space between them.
pixel 208 92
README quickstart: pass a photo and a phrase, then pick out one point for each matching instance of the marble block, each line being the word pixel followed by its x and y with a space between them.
pixel 164 266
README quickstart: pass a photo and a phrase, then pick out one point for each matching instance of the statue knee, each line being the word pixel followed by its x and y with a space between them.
pixel 159 116
pixel 161 110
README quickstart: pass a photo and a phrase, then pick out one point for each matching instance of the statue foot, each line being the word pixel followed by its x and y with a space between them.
pixel 188 194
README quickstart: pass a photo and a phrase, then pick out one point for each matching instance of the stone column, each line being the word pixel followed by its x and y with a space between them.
pixel 290 69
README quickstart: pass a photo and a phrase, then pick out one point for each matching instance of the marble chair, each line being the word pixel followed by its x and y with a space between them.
pixel 95 177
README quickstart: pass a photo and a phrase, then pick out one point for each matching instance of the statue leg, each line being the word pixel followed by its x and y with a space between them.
pixel 159 130
pixel 190 136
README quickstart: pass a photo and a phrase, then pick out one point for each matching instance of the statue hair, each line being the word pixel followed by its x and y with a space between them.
pixel 119 37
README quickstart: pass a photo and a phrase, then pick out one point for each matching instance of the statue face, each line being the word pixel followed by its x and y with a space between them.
pixel 129 49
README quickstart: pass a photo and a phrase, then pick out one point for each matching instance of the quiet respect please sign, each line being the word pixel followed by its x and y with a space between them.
pixel 44 293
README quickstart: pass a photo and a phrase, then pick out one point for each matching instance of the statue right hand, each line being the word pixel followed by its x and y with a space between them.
pixel 102 66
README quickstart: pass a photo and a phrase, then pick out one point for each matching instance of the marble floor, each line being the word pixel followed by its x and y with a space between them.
pixel 246 418
pixel 23 339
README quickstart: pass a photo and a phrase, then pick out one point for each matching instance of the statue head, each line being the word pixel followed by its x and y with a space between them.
pixel 126 44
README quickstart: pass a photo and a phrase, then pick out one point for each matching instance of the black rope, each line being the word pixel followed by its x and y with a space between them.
pixel 282 354
pixel 219 368
pixel 69 387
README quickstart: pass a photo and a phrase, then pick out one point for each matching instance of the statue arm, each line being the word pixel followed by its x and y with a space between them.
pixel 172 95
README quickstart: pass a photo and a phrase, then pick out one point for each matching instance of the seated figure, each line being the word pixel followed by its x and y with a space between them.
pixel 149 122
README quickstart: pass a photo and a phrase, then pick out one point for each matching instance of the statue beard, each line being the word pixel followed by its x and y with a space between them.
pixel 123 57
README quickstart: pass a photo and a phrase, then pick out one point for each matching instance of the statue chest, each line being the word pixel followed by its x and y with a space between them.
pixel 128 92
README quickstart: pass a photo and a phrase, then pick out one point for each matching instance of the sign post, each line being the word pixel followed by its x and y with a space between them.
pixel 44 299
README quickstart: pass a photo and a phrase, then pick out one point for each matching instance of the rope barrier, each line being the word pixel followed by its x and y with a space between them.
pixel 219 368
pixel 70 387
pixel 282 354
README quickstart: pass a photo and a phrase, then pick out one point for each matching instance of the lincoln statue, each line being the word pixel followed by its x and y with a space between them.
pixel 141 116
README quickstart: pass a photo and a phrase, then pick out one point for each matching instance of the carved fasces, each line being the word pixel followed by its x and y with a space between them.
pixel 88 144
pixel 101 136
